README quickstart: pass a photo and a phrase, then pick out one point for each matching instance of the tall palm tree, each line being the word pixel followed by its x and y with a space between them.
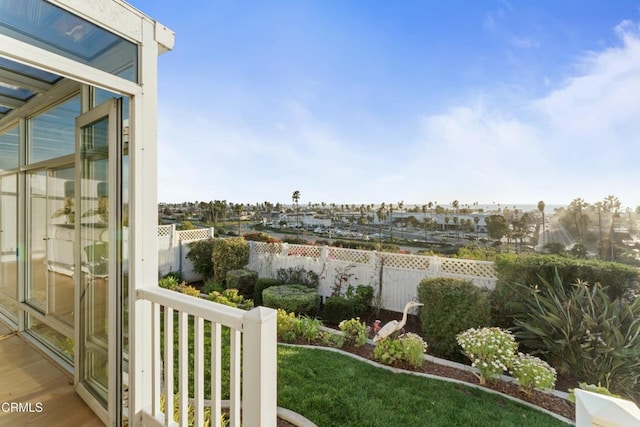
pixel 612 204
pixel 600 207
pixel 456 205
pixel 476 219
pixel 541 209
pixel 295 197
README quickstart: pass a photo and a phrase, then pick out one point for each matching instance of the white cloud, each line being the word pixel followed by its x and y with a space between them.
pixel 579 140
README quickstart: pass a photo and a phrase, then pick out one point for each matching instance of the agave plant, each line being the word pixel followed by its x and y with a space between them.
pixel 581 331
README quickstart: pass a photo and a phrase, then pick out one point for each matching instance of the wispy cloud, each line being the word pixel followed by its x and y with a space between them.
pixel 578 138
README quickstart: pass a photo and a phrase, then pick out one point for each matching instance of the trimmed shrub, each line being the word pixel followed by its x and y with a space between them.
pixel 200 256
pixel 337 309
pixel 450 307
pixel 298 276
pixel 291 298
pixel 532 270
pixel 229 254
pixel 262 284
pixel 243 280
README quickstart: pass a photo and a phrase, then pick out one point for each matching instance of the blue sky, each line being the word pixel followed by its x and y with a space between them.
pixel 384 101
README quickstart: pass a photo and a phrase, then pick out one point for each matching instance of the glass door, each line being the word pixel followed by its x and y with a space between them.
pixel 98 210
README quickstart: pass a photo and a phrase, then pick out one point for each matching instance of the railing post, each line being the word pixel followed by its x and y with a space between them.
pixel 259 377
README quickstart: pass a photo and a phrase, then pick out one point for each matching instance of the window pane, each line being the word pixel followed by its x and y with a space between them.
pixel 9 246
pixel 52 133
pixel 44 25
pixel 9 148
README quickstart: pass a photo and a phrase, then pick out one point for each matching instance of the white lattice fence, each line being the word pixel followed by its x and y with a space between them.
pixel 166 249
pixel 401 273
pixel 173 249
pixel 198 234
pixel 303 250
pixel 350 255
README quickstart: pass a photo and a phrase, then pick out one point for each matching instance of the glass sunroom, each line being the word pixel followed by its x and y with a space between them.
pixel 78 234
pixel 77 218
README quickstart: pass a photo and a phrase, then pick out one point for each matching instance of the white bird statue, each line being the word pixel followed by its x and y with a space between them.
pixel 394 326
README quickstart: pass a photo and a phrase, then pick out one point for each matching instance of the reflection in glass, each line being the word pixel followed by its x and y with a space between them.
pixel 9 246
pixel 60 244
pixel 52 133
pixel 9 148
pixel 93 209
pixel 45 25
pixel 61 343
pixel 37 221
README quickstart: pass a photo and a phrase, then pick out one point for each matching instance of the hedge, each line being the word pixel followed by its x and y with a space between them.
pixel 298 299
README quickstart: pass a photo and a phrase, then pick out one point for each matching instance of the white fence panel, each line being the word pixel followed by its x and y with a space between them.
pixel 173 247
pixel 396 276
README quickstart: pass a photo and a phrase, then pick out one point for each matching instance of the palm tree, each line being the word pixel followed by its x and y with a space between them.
pixel 576 207
pixel 600 206
pixel 455 205
pixel 476 219
pixel 541 209
pixel 612 204
pixel 382 215
pixel 295 197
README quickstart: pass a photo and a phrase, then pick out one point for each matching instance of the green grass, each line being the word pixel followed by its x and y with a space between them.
pixel 331 389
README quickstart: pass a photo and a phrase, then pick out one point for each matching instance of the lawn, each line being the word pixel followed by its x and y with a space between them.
pixel 331 389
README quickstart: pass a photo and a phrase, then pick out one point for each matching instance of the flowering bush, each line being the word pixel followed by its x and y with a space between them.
pixel 491 350
pixel 533 372
pixel 355 331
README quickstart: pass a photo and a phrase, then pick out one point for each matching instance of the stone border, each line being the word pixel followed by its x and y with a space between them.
pixel 283 413
pixel 435 377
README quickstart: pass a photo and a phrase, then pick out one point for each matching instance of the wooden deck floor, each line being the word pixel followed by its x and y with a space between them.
pixel 29 377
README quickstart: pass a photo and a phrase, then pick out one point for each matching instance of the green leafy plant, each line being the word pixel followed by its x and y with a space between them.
pixel 355 331
pixel 491 350
pixel 407 347
pixel 593 389
pixel 186 289
pixel 169 282
pixel 232 298
pixel 243 280
pixel 286 326
pixel 176 275
pixel 262 284
pixel 292 298
pixel 413 348
pixel 451 306
pixel 229 254
pixel 200 256
pixel 533 373
pixel 581 331
pixel 330 339
pixel 388 351
pixel 292 327
pixel 210 286
pixel 298 276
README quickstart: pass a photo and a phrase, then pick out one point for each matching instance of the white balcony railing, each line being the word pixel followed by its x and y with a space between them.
pixel 255 330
